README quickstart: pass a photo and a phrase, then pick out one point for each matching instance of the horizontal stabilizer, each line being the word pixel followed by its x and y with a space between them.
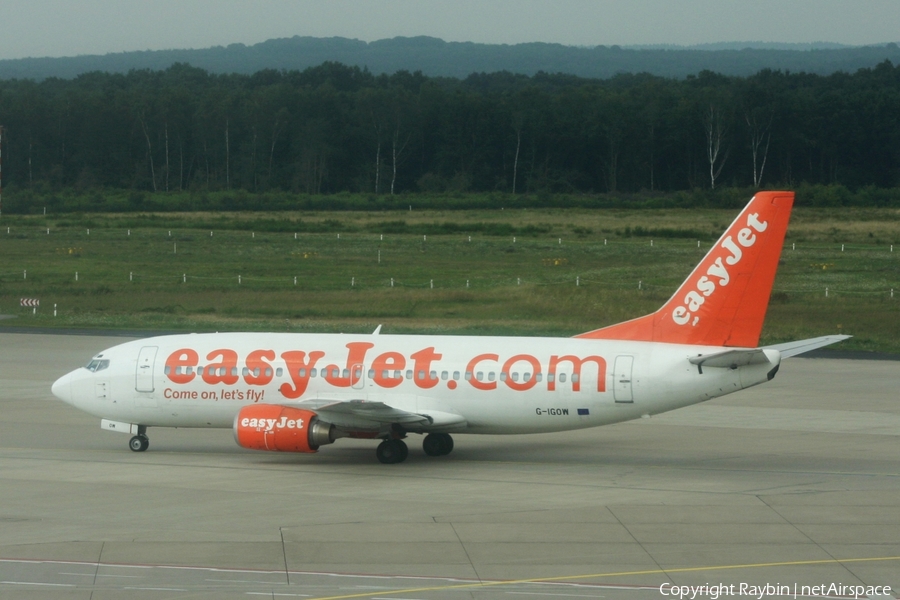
pixel 789 349
pixel 731 359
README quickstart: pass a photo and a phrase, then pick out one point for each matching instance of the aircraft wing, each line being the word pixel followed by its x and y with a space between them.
pixel 372 415
pixel 789 349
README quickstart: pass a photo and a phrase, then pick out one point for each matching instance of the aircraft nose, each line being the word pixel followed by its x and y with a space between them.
pixel 62 388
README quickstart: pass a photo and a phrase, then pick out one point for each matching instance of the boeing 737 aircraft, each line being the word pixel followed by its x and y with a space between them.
pixel 297 392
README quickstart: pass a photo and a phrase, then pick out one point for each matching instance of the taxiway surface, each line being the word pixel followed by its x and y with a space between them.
pixel 792 482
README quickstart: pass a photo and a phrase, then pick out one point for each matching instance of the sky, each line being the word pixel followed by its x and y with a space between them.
pixel 72 27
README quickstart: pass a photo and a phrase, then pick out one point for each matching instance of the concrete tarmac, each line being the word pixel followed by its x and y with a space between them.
pixel 794 482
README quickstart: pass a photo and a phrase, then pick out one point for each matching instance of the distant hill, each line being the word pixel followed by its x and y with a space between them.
pixel 435 57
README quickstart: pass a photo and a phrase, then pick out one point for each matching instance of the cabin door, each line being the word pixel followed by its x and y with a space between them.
pixel 622 379
pixel 143 378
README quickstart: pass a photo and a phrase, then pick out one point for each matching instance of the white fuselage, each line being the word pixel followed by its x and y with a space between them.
pixel 493 384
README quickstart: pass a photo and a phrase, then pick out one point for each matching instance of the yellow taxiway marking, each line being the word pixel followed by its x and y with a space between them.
pixel 598 575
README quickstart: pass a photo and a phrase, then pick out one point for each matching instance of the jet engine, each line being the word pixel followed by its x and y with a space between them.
pixel 281 428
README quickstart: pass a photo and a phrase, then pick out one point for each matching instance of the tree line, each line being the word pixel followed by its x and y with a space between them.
pixel 334 128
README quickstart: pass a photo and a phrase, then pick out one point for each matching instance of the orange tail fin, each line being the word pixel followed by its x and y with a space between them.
pixel 723 301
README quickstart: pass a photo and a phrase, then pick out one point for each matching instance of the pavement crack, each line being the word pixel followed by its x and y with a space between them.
pixel 468 558
pixel 287 573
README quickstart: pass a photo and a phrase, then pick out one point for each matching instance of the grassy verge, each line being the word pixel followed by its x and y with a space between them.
pixel 516 272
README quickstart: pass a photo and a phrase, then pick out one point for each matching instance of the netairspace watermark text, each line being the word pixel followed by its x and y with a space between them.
pixel 714 591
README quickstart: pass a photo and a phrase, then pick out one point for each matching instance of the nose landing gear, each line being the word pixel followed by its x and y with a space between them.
pixel 140 442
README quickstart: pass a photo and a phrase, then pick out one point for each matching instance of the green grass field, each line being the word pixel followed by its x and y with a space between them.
pixel 516 276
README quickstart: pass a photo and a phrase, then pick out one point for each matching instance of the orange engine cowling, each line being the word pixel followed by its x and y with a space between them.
pixel 281 428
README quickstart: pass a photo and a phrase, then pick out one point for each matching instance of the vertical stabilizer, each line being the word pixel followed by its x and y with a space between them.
pixel 723 301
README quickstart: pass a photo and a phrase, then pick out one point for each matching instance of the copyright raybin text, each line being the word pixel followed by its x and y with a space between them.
pixel 768 590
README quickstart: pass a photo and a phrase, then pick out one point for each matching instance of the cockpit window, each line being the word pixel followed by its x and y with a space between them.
pixel 97 365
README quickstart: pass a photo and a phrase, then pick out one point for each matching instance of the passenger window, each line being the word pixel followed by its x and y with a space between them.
pixel 479 376
pixel 468 375
pixel 491 376
pixel 398 374
pixel 345 374
pixel 278 372
pixel 409 374
pixel 432 375
pixel 538 377
pixel 444 375
pixel 421 375
pixel 502 375
pixel 234 371
pixel 574 377
pixel 550 377
pixel 455 375
pixel 526 377
pixel 335 372
pixel 515 376
pixel 371 373
pixel 269 372
pixel 167 370
pixel 200 371
pixel 302 372
pixel 245 371
pixel 562 377
pixel 313 372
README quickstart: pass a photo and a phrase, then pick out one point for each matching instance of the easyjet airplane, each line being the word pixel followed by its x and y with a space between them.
pixel 296 392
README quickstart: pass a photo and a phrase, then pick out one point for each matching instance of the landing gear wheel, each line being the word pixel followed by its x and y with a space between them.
pixel 391 452
pixel 437 444
pixel 139 443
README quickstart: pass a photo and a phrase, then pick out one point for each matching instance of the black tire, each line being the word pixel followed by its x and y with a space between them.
pixel 390 452
pixel 437 444
pixel 138 443
pixel 446 444
pixel 432 444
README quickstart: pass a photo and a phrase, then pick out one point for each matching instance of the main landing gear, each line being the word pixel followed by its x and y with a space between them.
pixel 437 444
pixel 392 451
pixel 140 442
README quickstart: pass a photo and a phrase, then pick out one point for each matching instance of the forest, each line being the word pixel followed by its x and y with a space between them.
pixel 334 128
